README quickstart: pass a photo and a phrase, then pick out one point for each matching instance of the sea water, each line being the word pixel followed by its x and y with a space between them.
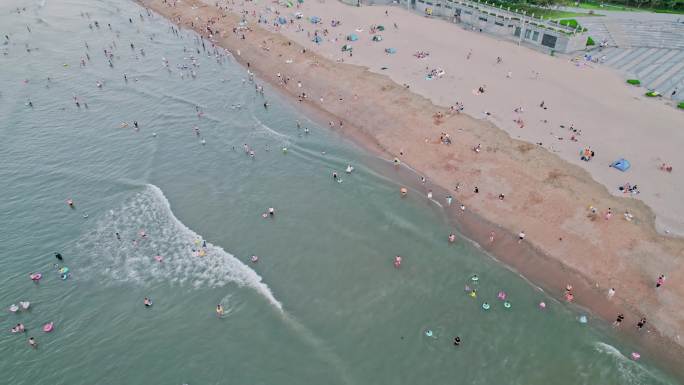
pixel 323 304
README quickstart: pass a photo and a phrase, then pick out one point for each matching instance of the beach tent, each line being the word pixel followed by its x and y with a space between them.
pixel 300 1
pixel 377 38
pixel 390 50
pixel 282 20
pixel 315 19
pixel 346 47
pixel 317 39
pixel 352 37
pixel 621 164
pixel 380 28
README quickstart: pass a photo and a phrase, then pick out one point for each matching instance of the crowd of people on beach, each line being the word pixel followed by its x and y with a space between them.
pixel 211 30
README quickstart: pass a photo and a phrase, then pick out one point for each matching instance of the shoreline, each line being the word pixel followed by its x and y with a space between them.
pixel 542 262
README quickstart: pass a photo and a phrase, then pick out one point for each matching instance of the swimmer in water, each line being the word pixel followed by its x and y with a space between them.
pixel 147 302
pixel 271 211
pixel 19 328
pixel 219 310
pixel 334 175
pixel 118 236
pixel 457 341
pixel 58 256
pixel 32 342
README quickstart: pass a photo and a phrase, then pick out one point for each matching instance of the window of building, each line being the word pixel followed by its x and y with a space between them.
pixel 528 33
pixel 482 18
pixel 535 36
pixel 549 40
pixel 499 23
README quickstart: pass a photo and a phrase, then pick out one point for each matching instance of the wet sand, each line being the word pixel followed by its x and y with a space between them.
pixel 544 195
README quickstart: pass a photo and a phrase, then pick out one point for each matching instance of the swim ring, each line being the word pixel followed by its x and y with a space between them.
pixel 502 295
pixel 428 333
pixel 254 259
pixel 507 305
pixel 485 306
pixel 583 319
pixel 47 328
pixel 13 308
pixel 474 278
pixel 635 356
pixel 158 258
pixel 36 276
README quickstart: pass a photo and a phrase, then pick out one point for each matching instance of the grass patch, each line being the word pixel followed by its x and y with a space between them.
pixel 539 11
pixel 681 105
pixel 634 82
pixel 590 41
pixel 572 23
pixel 624 8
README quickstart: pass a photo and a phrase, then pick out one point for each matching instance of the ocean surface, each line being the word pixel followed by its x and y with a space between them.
pixel 323 304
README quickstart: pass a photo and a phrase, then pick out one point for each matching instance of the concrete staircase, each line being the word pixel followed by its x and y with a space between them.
pixel 660 69
pixel 651 51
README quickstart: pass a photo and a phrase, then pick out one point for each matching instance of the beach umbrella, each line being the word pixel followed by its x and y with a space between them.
pixel 282 20
pixel 390 50
pixel 621 164
pixel 315 19
pixel 352 37
pixel 317 39
pixel 377 38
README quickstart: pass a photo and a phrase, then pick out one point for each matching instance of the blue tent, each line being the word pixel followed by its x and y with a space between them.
pixel 390 50
pixel 317 39
pixel 621 164
pixel 282 20
pixel 315 19
pixel 352 37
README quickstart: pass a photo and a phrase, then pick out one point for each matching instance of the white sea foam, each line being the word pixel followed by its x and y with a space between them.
pixel 630 371
pixel 132 259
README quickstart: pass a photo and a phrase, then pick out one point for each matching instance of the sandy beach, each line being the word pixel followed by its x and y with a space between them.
pixel 542 189
pixel 612 119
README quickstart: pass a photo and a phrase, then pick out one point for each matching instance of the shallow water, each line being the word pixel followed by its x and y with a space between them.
pixel 323 304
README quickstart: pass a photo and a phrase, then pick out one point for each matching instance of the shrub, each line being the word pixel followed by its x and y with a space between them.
pixel 634 82
pixel 590 41
pixel 681 105
pixel 652 94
